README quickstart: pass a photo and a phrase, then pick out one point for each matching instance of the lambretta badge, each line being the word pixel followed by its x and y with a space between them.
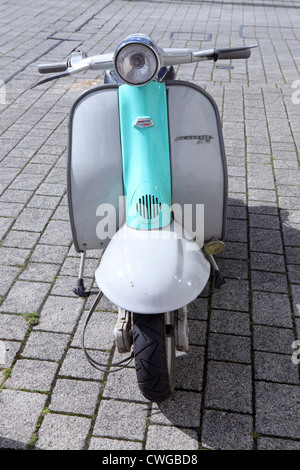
pixel 201 139
pixel 143 122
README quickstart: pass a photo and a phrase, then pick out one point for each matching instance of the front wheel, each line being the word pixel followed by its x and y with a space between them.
pixel 154 353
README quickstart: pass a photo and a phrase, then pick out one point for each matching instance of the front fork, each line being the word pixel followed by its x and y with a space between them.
pixel 176 323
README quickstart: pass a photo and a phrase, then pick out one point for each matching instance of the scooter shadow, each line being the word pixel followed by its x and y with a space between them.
pixel 183 408
pixel 262 245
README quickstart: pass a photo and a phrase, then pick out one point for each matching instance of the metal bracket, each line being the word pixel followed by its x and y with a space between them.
pixel 123 331
pixel 181 330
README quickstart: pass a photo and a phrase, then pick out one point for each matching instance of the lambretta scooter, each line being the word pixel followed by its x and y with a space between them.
pixel 147 182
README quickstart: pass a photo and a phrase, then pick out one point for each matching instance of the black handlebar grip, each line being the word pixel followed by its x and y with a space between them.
pixel 53 68
pixel 233 53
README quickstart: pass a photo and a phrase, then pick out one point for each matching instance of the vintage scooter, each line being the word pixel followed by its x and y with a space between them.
pixel 147 182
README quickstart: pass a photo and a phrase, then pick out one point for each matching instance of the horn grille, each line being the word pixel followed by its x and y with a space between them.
pixel 148 206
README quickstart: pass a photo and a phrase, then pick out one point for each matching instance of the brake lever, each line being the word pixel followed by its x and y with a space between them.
pixel 79 66
pixel 49 79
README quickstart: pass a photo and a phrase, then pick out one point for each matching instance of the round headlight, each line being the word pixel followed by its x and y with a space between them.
pixel 137 60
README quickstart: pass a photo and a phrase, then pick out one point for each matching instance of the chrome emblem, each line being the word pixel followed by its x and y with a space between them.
pixel 201 139
pixel 143 122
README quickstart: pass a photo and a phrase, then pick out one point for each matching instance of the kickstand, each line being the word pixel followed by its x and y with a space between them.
pixel 80 289
pixel 219 278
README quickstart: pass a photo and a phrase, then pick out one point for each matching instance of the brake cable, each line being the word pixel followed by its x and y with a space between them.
pixel 93 362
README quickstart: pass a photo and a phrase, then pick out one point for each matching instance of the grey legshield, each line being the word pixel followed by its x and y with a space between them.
pixel 94 177
pixel 95 180
pixel 198 162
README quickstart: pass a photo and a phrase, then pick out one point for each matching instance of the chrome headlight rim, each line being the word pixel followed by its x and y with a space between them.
pixel 138 39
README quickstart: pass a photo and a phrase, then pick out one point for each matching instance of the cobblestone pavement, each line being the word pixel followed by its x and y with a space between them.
pixel 238 387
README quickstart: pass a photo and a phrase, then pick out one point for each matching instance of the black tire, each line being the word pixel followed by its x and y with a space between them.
pixel 154 353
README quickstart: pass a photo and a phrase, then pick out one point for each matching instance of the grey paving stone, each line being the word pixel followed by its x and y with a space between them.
pixel 237 323
pixel 271 309
pixel 12 327
pixel 74 396
pixel 26 182
pixel 48 346
pixel 237 184
pixel 10 209
pixel 235 250
pixel 51 189
pixel 296 299
pixel 268 443
pixel 11 349
pixel 60 314
pixel 227 431
pixel 133 417
pixel 197 332
pixel 197 309
pixel 37 169
pixel 171 438
pixel 21 239
pixel 98 443
pixel 32 375
pixel 19 422
pixel 264 221
pixel 290 216
pixel 75 364
pixel 229 348
pixel 44 202
pixel 275 368
pixel 61 213
pixel 63 432
pixel 287 176
pixel 272 339
pixel 267 262
pixel 236 269
pixel 236 231
pixel 257 207
pixel 123 385
pixel 49 254
pixel 294 273
pixel 7 276
pixel 261 181
pixel 16 196
pixel 11 444
pixel 236 212
pixel 189 369
pixel 277 409
pixel 234 296
pixel 5 223
pixel 291 234
pixel 13 256
pixel 58 232
pixel 99 332
pixel 182 409
pixel 25 297
pixel 39 272
pixel 268 241
pixel 289 202
pixel 229 387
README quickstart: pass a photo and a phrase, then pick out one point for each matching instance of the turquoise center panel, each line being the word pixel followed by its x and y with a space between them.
pixel 145 155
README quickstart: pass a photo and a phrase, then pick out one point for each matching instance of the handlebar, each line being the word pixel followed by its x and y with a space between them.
pixel 169 56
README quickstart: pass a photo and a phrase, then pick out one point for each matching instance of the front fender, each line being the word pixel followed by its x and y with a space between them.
pixel 152 271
